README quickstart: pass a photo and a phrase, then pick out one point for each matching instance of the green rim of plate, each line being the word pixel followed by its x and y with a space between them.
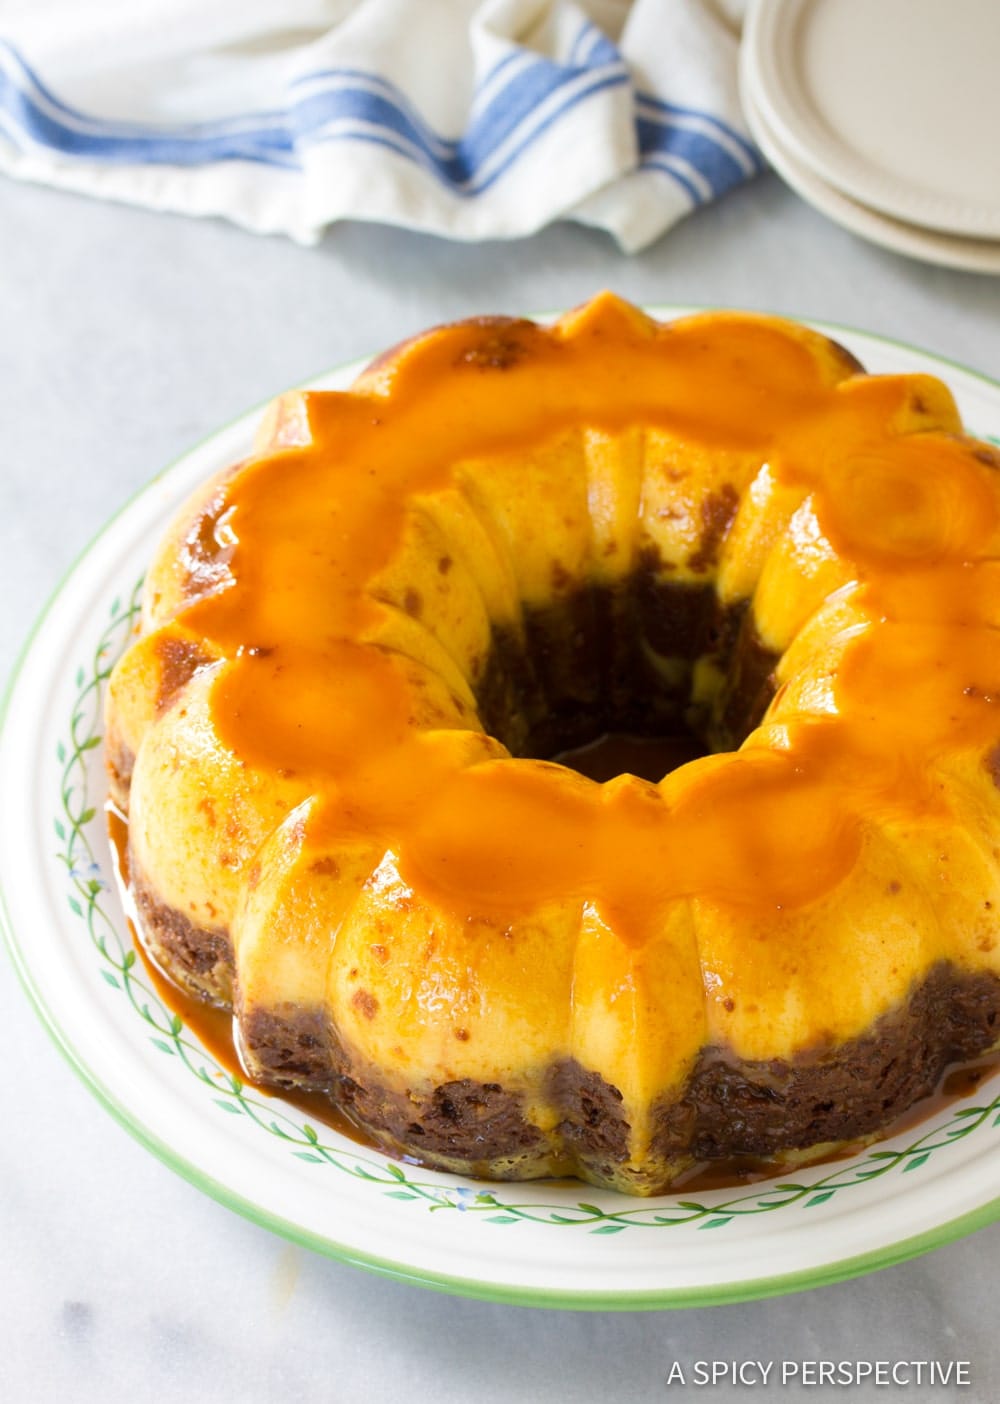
pixel 654 1299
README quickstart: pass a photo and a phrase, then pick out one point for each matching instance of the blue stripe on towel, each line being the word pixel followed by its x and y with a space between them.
pixel 472 188
pixel 592 47
pixel 656 110
pixel 456 162
pixel 280 137
pixel 678 175
pixel 697 149
pixel 28 118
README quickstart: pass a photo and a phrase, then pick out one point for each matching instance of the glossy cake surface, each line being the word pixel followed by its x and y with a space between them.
pixel 361 646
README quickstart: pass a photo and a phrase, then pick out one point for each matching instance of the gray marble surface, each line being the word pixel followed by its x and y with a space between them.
pixel 124 338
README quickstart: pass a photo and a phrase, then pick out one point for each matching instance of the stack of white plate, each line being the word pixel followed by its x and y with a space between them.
pixel 885 115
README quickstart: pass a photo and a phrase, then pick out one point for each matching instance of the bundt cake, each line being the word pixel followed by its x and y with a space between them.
pixel 362 648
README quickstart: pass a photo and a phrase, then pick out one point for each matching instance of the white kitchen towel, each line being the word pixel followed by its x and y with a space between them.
pixel 472 119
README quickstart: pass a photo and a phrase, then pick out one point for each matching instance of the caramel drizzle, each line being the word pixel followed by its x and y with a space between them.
pixel 776 824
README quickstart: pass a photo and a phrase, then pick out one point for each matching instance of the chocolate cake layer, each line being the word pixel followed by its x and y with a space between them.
pixel 291 1046
pixel 199 959
pixel 477 1124
pixel 733 1107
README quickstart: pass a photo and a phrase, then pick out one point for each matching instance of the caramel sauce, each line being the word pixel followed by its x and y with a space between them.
pixel 309 691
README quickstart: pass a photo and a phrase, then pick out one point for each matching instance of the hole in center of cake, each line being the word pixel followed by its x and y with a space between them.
pixel 640 678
